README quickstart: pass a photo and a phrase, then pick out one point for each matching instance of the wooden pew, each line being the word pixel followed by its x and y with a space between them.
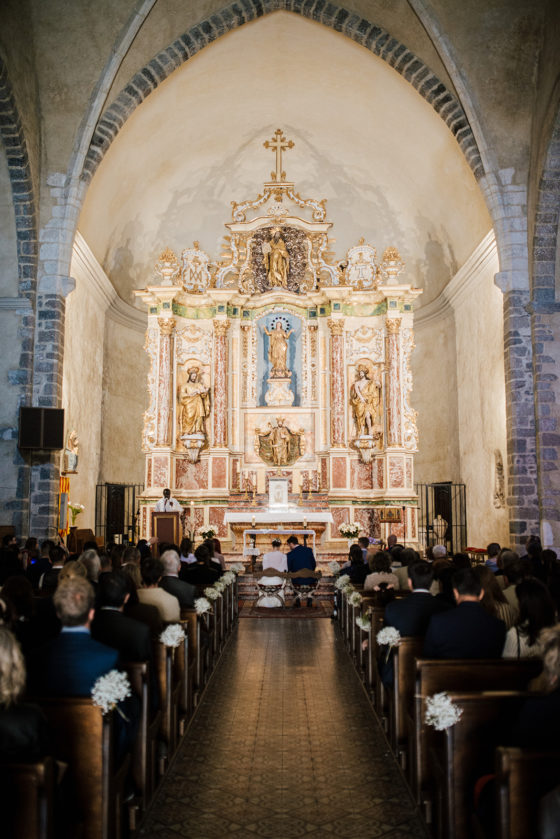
pixel 401 695
pixel 145 749
pixel 84 739
pixel 465 752
pixel 437 675
pixel 522 778
pixel 27 799
pixel 170 692
pixel 191 622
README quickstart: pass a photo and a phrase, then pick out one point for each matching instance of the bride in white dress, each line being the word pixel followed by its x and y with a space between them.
pixel 279 561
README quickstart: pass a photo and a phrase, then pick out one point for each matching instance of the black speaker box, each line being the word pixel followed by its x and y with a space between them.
pixel 41 428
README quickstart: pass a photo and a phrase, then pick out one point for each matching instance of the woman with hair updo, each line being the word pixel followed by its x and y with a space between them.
pixel 536 611
pixel 23 729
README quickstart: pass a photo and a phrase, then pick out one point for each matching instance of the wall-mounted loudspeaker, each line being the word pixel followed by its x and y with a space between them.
pixel 41 428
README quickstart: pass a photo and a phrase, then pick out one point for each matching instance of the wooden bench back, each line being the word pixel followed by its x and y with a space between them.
pixel 402 694
pixel 27 799
pixel 521 779
pixel 84 740
pixel 437 675
pixel 465 752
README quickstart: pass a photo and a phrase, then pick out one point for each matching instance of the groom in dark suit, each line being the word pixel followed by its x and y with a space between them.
pixel 300 557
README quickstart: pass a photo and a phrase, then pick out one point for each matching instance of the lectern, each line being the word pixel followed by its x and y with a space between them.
pixel 167 528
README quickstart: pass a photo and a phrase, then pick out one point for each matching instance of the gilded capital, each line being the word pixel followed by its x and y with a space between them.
pixel 336 326
pixel 393 325
pixel 312 327
pixel 221 327
pixel 166 325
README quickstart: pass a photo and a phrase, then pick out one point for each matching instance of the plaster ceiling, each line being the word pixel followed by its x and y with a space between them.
pixel 364 140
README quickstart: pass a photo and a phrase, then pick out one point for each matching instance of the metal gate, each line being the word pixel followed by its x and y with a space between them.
pixel 448 501
pixel 116 512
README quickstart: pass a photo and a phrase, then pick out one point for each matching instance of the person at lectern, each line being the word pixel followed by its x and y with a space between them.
pixel 167 504
pixel 300 557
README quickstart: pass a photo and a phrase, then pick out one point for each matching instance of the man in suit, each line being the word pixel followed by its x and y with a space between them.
pixel 110 626
pixel 411 615
pixel 70 664
pixel 170 582
pixel 300 557
pixel 468 631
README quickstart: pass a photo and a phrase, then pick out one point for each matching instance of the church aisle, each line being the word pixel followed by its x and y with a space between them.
pixel 284 745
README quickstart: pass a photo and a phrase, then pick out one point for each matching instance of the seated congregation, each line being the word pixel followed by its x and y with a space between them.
pixel 462 664
pixel 103 657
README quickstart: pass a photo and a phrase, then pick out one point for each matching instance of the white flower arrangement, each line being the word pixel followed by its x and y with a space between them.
pixel 220 586
pixel 172 635
pixel 207 532
pixel 75 510
pixel 355 598
pixel 334 567
pixel 228 578
pixel 389 636
pixel 342 582
pixel 110 689
pixel 363 623
pixel 237 568
pixel 349 531
pixel 211 593
pixel 348 589
pixel 441 712
pixel 202 605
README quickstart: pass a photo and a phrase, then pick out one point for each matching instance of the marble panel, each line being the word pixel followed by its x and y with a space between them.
pixel 149 472
pixel 216 521
pixel 324 473
pixel 191 475
pixel 161 471
pixel 338 472
pixel 340 516
pixel 361 476
pixel 368 519
pixel 396 472
pixel 379 473
pixel 408 473
pixel 219 472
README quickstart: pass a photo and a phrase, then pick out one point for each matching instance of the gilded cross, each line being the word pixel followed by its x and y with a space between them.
pixel 278 144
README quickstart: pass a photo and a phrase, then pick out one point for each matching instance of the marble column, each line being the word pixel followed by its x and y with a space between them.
pixel 165 380
pixel 393 383
pixel 337 381
pixel 220 383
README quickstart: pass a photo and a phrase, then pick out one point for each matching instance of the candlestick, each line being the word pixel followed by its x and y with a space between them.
pixel 254 501
pixel 253 522
pixel 305 524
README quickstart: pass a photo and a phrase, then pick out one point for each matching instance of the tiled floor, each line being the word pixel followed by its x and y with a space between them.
pixel 284 744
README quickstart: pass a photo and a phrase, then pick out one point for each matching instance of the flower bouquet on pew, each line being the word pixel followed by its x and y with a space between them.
pixel 342 582
pixel 109 690
pixel 228 577
pixel 202 605
pixel 172 635
pixel 211 593
pixel 355 599
pixel 364 623
pixel 237 568
pixel 388 637
pixel 441 711
pixel 334 567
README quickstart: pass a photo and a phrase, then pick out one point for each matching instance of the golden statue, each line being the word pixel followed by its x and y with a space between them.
pixel 278 351
pixel 277 445
pixel 280 443
pixel 276 261
pixel 195 403
pixel 365 399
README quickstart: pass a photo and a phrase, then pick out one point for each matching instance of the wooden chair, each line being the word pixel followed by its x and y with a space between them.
pixel 27 799
pixel 84 740
pixel 437 675
pixel 522 777
pixel 271 589
pixel 306 590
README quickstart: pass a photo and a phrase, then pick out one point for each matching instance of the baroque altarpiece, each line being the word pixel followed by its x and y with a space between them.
pixel 280 360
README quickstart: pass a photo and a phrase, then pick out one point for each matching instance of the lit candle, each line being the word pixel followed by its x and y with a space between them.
pixel 253 522
pixel 305 524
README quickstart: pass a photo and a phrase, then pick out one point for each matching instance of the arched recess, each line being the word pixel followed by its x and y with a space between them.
pixel 18 310
pixel 372 37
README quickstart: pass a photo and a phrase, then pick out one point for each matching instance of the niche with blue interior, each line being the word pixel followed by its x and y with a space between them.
pixel 264 367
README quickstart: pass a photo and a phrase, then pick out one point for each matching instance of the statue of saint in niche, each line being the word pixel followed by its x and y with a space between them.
pixel 278 351
pixel 195 403
pixel 276 261
pixel 365 399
